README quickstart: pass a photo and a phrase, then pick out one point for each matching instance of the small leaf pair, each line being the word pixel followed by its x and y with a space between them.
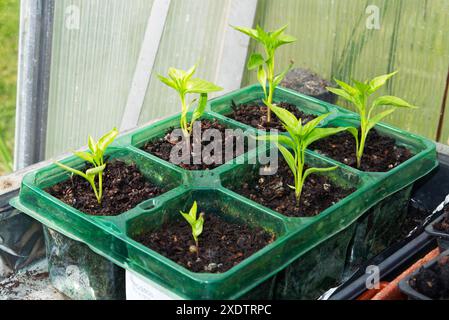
pixel 265 65
pixel 359 95
pixel 293 147
pixel 184 83
pixel 95 156
pixel 196 223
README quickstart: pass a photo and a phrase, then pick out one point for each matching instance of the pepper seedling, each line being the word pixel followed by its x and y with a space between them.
pixel 359 95
pixel 293 147
pixel 95 156
pixel 184 84
pixel 195 223
pixel 265 65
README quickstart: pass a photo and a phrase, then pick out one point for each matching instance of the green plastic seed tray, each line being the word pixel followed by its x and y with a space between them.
pixel 112 237
pixel 284 269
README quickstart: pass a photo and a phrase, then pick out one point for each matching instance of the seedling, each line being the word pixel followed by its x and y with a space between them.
pixel 95 156
pixel 265 65
pixel 195 223
pixel 184 84
pixel 293 148
pixel 359 95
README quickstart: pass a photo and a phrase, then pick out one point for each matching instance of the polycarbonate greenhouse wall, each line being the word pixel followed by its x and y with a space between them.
pixel 96 46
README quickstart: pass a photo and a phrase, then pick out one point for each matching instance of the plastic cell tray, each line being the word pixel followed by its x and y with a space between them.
pixel 330 231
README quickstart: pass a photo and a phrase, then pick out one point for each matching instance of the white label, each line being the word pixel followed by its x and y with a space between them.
pixel 140 288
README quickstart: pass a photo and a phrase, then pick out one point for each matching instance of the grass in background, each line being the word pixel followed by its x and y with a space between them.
pixel 9 34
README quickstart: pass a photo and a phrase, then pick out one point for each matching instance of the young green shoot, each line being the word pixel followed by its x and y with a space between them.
pixel 94 156
pixel 265 64
pixel 359 95
pixel 293 147
pixel 196 223
pixel 184 84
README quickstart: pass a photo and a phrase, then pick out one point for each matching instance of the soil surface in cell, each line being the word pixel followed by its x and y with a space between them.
pixel 207 159
pixel 433 282
pixel 273 191
pixel 255 115
pixel 124 187
pixel 443 226
pixel 381 152
pixel 222 244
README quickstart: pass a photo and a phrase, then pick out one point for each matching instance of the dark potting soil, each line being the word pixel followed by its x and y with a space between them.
pixel 443 226
pixel 124 187
pixel 381 152
pixel 162 147
pixel 273 191
pixel 433 282
pixel 255 115
pixel 222 244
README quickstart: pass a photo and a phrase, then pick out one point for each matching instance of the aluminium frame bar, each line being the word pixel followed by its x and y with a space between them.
pixel 33 81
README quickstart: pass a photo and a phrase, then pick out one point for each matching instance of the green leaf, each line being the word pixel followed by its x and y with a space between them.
pixel 195 224
pixel 286 39
pixel 278 38
pixel 341 93
pixel 380 81
pixel 310 171
pixel 281 40
pixel 278 32
pixel 289 158
pixel 296 131
pixel 312 124
pixel 167 82
pixel 377 118
pixel 255 61
pixel 278 139
pixel 285 116
pixel 248 31
pixel 278 79
pixel 193 210
pixel 188 218
pixel 321 133
pixel 361 86
pixel 85 156
pixel 346 87
pixel 92 145
pixel 198 228
pixel 201 86
pixel 176 74
pixel 107 139
pixel 263 36
pixel 392 101
pixel 190 72
pixel 67 168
